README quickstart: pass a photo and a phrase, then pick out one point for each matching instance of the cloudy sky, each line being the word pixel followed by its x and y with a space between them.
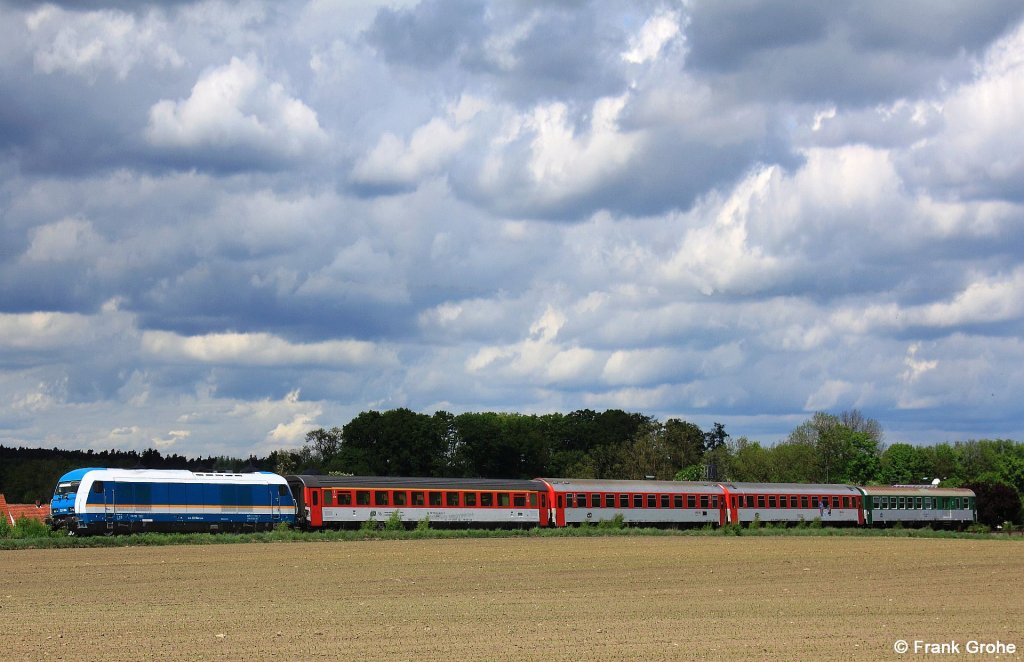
pixel 223 224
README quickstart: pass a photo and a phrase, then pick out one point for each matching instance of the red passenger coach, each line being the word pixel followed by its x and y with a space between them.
pixel 644 502
pixel 790 502
pixel 349 501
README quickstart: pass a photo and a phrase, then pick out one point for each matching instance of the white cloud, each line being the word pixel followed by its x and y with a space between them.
pixel 655 33
pixel 236 106
pixel 429 149
pixel 86 43
pixel 261 349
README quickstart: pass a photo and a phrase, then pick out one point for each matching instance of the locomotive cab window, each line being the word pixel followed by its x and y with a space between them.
pixel 97 487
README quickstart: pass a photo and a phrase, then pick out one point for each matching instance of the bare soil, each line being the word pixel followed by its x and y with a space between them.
pixel 636 598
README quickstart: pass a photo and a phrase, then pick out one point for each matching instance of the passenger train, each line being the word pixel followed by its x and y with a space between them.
pixel 94 500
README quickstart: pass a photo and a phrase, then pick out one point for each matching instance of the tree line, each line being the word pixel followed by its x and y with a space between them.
pixel 827 448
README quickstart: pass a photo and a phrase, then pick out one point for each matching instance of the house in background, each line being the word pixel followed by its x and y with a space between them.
pixel 11 512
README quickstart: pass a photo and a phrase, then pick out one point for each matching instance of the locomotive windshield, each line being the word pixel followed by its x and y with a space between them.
pixel 70 487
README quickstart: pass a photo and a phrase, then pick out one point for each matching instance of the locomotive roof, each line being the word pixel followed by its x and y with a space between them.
pixel 791 488
pixel 916 490
pixel 172 476
pixel 655 486
pixel 399 482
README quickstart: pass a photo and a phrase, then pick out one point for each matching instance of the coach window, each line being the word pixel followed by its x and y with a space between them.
pixel 803 502
pixel 928 503
pixel 691 500
pixel 677 500
pixel 380 498
pixel 363 498
pixel 470 499
pixel 434 498
pixel 595 500
pixel 400 498
pixel 652 501
pixel 519 500
pixel 760 501
pixel 451 499
pixel 954 503
pixel 417 499
pixel 664 501
pixel 714 501
pixel 344 498
pixel 486 499
pixel 328 497
pixel 703 500
pixel 771 502
pixel 533 500
pixel 609 500
pixel 503 499
pixel 917 502
pixel 638 501
pixel 623 501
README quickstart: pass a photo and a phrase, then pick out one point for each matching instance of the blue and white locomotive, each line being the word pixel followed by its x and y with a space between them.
pixel 94 500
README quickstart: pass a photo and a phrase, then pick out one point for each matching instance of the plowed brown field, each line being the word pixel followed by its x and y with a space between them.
pixel 539 598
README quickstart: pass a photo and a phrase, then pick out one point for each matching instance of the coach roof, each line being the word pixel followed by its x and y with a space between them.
pixel 401 482
pixel 652 486
pixel 916 490
pixel 791 488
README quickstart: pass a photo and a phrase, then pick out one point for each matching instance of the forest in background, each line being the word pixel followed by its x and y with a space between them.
pixel 614 444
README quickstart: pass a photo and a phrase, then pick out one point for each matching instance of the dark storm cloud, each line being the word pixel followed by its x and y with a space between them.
pixel 859 53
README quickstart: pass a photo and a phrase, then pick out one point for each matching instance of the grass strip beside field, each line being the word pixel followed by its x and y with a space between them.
pixel 288 535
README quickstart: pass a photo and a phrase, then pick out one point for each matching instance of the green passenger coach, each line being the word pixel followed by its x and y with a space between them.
pixel 918 504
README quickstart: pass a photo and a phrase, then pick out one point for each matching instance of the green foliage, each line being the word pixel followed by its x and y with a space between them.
pixel 617 522
pixel 24 528
pixel 423 525
pixel 394 522
pixel 369 525
pixel 756 523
